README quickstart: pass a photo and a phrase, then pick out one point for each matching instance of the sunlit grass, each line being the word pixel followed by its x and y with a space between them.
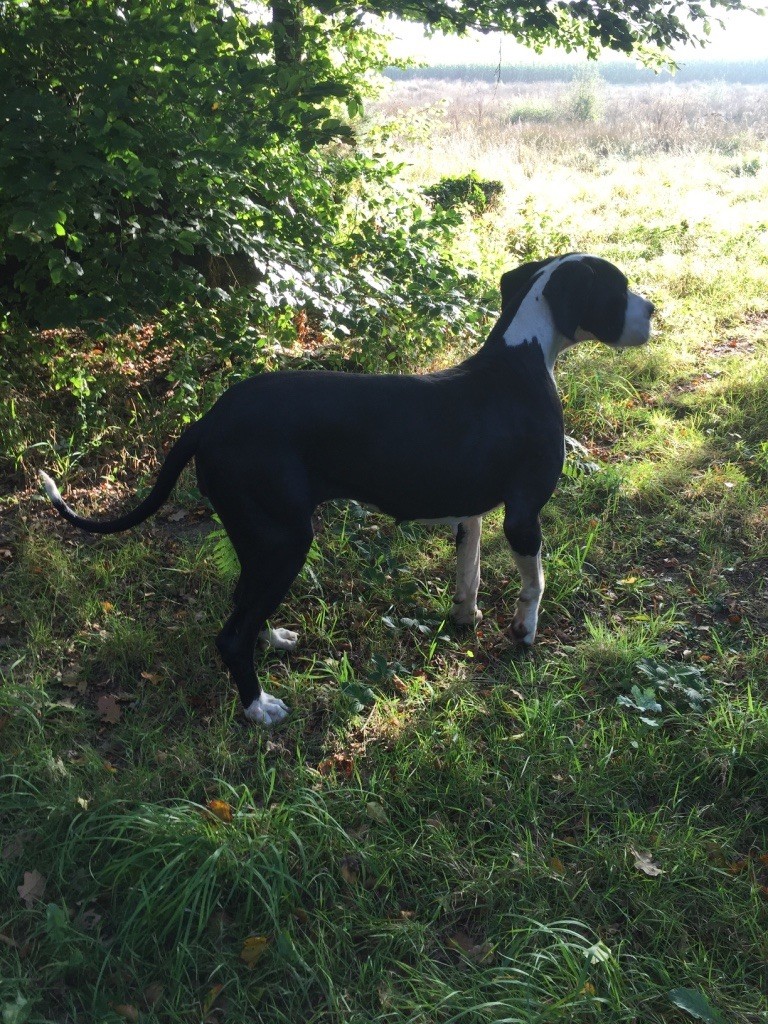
pixel 445 829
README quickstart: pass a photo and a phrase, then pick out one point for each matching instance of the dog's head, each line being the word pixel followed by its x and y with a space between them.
pixel 589 299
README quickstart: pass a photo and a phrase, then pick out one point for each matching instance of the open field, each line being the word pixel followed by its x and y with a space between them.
pixel 446 829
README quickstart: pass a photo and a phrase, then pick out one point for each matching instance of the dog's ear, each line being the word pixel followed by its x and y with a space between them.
pixel 567 294
pixel 516 280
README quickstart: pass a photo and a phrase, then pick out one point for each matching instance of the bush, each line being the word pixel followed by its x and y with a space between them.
pixel 586 102
pixel 468 190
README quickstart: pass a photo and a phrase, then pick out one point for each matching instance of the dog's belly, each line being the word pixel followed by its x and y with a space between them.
pixel 452 521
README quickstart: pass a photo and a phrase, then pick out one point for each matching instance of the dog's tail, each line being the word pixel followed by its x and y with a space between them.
pixel 175 461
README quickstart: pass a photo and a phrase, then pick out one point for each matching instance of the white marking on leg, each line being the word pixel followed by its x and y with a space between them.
pixel 280 639
pixel 266 710
pixel 465 611
pixel 527 611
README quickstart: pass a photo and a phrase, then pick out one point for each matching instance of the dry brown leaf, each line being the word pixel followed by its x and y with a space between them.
pixel 153 993
pixel 350 869
pixel 557 865
pixel 254 948
pixel 210 998
pixel 276 749
pixel 32 889
pixel 73 679
pixel 341 763
pixel 220 809
pixel 108 709
pixel 477 951
pixel 644 862
pixel 737 867
pixel 125 1011
pixel 152 677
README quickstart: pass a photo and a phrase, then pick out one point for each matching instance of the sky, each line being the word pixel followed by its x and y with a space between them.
pixel 744 37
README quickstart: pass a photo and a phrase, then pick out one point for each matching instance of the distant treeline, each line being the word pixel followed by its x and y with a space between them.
pixel 615 72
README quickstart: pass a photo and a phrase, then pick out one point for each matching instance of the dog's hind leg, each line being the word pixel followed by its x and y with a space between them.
pixel 524 538
pixel 467 535
pixel 270 560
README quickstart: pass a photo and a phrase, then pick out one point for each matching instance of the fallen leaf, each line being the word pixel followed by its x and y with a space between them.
pixel 588 989
pixel 152 677
pixel 645 863
pixel 254 948
pixel 341 763
pixel 153 993
pixel 696 1004
pixel 220 809
pixel 73 680
pixel 276 749
pixel 350 869
pixel 81 802
pixel 477 951
pixel 32 889
pixel 737 867
pixel 557 865
pixel 376 811
pixel 108 709
pixel 15 845
pixel 125 1011
pixel 211 996
pixel 178 515
pixel 107 606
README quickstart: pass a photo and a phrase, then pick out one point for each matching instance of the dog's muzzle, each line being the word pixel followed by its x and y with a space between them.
pixel 637 322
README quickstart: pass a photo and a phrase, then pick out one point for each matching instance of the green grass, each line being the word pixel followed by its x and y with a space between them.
pixel 445 828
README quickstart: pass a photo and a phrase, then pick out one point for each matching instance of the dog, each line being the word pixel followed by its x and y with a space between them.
pixel 443 447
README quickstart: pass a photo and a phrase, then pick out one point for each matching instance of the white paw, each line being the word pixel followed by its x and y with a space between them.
pixel 464 615
pixel 266 710
pixel 525 622
pixel 280 639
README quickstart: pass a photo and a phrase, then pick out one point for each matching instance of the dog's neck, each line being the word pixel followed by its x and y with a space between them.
pixel 533 323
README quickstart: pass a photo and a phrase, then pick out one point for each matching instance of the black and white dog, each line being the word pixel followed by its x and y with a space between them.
pixel 441 448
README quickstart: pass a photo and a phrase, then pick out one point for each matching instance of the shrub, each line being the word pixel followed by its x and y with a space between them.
pixel 468 190
pixel 586 102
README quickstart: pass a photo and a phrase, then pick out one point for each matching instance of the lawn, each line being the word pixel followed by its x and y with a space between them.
pixel 446 828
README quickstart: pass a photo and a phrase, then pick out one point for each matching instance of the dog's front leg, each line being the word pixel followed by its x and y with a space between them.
pixel 467 535
pixel 525 540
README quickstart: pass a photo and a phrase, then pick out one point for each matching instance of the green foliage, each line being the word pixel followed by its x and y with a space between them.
pixel 466 190
pixel 683 687
pixel 536 236
pixel 586 101
pixel 145 148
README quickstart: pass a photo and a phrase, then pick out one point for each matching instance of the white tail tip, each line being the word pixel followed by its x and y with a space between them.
pixel 50 487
